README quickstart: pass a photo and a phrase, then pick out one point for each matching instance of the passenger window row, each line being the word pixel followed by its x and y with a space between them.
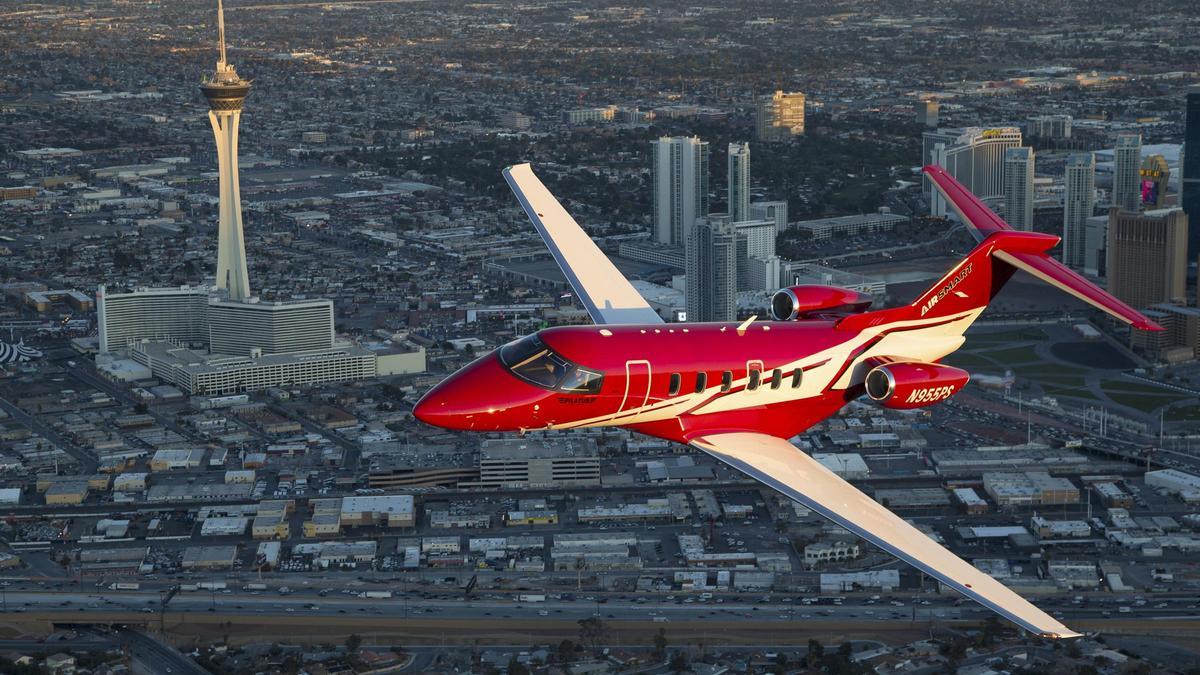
pixel 755 380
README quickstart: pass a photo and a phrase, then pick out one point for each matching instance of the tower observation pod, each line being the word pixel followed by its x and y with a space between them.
pixel 225 92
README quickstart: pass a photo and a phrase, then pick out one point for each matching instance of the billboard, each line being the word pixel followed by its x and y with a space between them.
pixel 1149 191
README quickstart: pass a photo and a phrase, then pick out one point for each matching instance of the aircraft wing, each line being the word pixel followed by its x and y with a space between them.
pixel 781 465
pixel 604 291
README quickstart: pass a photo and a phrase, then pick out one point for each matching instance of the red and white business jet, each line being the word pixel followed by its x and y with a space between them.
pixel 740 391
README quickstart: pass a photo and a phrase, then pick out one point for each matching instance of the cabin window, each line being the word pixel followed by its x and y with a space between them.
pixel 582 379
pixel 755 379
pixel 544 369
pixel 701 382
pixel 776 378
pixel 676 382
pixel 797 378
pixel 727 380
pixel 532 361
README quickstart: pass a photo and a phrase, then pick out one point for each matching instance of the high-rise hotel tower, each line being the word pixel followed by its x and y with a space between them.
pixel 225 92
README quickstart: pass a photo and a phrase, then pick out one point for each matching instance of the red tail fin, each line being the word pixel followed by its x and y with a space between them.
pixel 1026 251
pixel 975 281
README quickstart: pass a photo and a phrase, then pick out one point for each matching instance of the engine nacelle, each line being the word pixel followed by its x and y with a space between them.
pixel 799 302
pixel 906 385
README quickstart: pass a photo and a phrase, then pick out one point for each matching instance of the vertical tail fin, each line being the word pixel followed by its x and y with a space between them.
pixel 1027 251
pixel 973 282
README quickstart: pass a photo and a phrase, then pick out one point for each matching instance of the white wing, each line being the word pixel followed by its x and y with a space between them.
pixel 784 467
pixel 604 291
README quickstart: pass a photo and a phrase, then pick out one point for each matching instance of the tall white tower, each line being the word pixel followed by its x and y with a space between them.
pixel 739 182
pixel 680 187
pixel 1018 187
pixel 1079 199
pixel 225 92
pixel 1127 159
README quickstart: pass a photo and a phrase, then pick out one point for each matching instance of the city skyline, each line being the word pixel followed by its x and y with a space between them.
pixel 202 456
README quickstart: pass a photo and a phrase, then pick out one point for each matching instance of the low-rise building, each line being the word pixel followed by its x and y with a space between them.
pixel 1059 529
pixel 271 521
pixel 338 552
pixel 387 510
pixel 653 511
pixel 1029 488
pixel 1175 482
pixel 239 476
pixel 441 545
pixel 913 498
pixel 130 482
pixel 822 552
pixel 850 226
pixel 1112 495
pixel 848 465
pixel 209 557
pixel 446 520
pixel 1069 574
pixel 533 517
pixel 227 526
pixel 882 580
pixel 970 500
pixel 326 520
pixel 176 458
pixel 67 493
pixel 207 492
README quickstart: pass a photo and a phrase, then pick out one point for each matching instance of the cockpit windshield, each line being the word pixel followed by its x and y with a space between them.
pixel 531 360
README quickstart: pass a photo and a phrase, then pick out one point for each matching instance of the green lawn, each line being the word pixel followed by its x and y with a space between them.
pixel 1005 337
pixel 1067 389
pixel 1144 397
pixel 974 362
pixel 1128 386
pixel 1183 413
pixel 1043 370
pixel 1013 355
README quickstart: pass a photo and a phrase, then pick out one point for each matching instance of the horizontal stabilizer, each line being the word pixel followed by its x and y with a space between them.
pixel 1026 251
pixel 1064 278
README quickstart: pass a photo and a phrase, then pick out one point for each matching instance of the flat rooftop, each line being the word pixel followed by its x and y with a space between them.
pixel 502 449
pixel 201 363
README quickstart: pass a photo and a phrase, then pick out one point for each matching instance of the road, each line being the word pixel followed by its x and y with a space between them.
pixel 352 450
pixel 86 374
pixel 154 657
pixel 84 457
pixel 617 608
pixel 150 656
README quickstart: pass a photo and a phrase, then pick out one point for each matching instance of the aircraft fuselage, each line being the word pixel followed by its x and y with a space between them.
pixel 671 381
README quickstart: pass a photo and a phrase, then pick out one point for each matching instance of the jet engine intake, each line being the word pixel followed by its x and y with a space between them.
pixel 905 385
pixel 803 302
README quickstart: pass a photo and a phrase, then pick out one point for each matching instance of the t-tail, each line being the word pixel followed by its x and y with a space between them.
pixel 972 283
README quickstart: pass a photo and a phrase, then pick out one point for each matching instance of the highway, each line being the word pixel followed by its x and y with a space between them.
pixel 618 608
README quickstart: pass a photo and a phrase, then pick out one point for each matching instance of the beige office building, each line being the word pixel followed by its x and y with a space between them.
pixel 780 116
pixel 1147 256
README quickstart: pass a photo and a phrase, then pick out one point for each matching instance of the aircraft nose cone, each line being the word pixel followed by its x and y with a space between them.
pixel 440 406
pixel 470 399
pixel 426 410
